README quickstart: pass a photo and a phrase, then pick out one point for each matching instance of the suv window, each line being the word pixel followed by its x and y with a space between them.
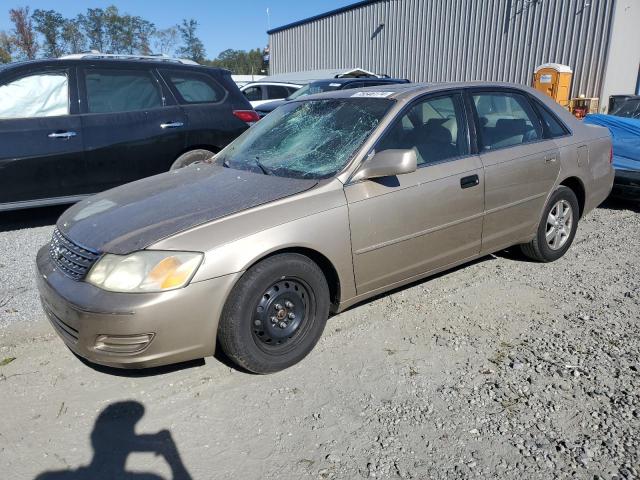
pixel 435 127
pixel 506 119
pixel 121 90
pixel 39 95
pixel 195 87
pixel 276 91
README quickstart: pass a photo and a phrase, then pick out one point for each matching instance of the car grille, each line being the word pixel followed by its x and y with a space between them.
pixel 72 259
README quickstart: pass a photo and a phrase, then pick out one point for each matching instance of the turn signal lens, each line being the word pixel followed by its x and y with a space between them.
pixel 145 271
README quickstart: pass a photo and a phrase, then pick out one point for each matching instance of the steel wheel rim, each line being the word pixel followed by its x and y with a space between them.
pixel 559 225
pixel 281 315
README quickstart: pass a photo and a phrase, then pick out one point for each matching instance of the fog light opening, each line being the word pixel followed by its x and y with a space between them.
pixel 123 343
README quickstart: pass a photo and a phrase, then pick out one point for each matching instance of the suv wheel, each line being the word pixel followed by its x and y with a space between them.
pixel 192 156
pixel 557 227
pixel 275 314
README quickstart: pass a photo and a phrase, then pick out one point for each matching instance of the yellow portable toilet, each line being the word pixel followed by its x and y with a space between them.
pixel 554 79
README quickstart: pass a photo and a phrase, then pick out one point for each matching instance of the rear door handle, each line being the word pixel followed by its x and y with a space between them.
pixel 63 135
pixel 470 181
pixel 550 159
pixel 172 125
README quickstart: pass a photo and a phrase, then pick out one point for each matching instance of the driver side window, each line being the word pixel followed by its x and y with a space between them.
pixel 435 127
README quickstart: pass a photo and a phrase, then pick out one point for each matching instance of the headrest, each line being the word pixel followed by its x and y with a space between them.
pixel 433 131
pixel 511 126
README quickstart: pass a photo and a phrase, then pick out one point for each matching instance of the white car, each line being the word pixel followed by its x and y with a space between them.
pixel 262 92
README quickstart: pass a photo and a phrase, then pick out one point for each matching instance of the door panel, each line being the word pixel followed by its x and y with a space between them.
pixel 412 224
pixel 35 166
pixel 126 146
pixel 415 223
pixel 132 126
pixel 520 166
pixel 517 182
pixel 41 154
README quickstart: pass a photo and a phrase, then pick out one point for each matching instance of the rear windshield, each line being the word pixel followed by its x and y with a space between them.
pixel 630 109
pixel 312 139
pixel 315 87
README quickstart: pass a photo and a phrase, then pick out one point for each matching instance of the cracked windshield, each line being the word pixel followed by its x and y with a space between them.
pixel 314 139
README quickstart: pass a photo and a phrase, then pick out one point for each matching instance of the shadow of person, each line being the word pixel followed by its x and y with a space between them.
pixel 113 438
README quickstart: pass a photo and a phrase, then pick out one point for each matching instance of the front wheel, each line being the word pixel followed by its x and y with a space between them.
pixel 275 314
pixel 557 227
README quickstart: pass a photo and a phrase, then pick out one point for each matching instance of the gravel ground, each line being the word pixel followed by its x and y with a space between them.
pixel 501 369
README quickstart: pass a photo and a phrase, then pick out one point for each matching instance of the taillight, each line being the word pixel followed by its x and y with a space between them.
pixel 248 116
pixel 611 155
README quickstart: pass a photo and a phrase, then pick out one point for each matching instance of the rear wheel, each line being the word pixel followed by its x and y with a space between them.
pixel 193 156
pixel 276 313
pixel 557 227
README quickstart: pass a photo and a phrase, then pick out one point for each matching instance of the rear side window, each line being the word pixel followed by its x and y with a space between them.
pixel 506 119
pixel 253 93
pixel 553 125
pixel 277 91
pixel 193 87
pixel 34 96
pixel 110 91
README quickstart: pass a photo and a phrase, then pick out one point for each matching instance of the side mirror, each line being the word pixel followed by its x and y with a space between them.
pixel 388 163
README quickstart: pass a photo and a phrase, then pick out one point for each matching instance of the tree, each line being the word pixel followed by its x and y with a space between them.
pixel 114 30
pixel 239 61
pixel 50 24
pixel 93 26
pixel 6 47
pixel 144 31
pixel 72 36
pixel 23 32
pixel 192 47
pixel 127 34
pixel 165 40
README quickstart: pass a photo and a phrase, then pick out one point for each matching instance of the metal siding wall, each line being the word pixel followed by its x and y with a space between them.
pixel 455 40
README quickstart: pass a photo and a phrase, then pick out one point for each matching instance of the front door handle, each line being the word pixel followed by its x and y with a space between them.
pixel 470 181
pixel 172 125
pixel 64 135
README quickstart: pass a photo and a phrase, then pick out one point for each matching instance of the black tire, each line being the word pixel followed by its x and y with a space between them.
pixel 539 249
pixel 192 156
pixel 247 332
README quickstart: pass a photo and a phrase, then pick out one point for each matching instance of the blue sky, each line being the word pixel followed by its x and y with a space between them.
pixel 238 24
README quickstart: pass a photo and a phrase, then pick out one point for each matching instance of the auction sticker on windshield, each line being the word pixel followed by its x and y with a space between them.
pixel 372 94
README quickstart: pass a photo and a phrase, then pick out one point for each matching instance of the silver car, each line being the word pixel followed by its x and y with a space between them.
pixel 322 204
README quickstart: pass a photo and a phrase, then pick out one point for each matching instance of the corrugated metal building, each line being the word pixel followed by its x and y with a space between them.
pixel 458 40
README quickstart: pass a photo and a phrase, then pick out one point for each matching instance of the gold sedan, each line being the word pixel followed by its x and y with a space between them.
pixel 325 202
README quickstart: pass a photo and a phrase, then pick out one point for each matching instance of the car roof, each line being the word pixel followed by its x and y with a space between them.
pixel 346 80
pixel 402 91
pixel 260 82
pixel 108 61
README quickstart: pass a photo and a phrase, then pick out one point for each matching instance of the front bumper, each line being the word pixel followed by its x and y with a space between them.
pixel 132 330
pixel 627 183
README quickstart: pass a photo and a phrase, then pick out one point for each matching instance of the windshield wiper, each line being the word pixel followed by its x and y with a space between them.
pixel 264 169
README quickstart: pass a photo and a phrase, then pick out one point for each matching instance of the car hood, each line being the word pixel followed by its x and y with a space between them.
pixel 136 215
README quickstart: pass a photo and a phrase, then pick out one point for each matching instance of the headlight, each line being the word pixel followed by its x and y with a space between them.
pixel 144 271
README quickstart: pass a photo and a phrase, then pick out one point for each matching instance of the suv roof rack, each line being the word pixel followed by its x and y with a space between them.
pixel 116 56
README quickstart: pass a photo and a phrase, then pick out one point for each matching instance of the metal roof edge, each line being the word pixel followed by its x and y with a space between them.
pixel 320 16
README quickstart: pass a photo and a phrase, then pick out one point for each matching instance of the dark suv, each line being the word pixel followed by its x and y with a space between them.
pixel 77 125
pixel 320 86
